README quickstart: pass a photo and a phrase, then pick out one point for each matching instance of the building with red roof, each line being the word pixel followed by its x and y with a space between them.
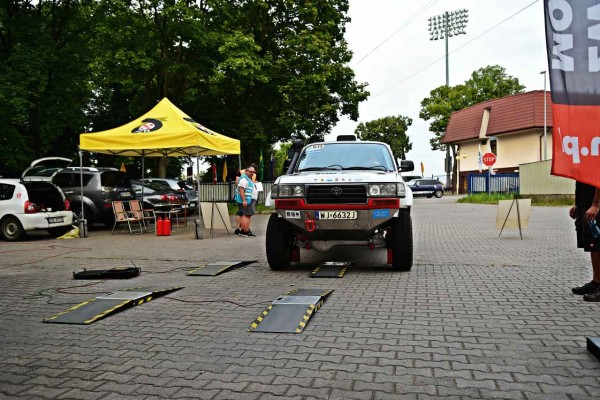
pixel 511 127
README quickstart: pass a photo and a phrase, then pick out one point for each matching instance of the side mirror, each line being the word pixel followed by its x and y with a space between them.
pixel 406 165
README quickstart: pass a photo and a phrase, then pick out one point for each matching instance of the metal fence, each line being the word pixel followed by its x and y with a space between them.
pixel 225 191
pixel 485 183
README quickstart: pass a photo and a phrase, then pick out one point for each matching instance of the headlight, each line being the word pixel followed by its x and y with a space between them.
pixel 291 191
pixel 401 189
pixel 382 189
pixel 274 191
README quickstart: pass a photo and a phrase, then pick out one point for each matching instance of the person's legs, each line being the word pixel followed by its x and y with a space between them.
pixel 594 292
pixel 595 255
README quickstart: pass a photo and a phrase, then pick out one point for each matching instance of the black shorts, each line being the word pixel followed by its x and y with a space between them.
pixel 585 240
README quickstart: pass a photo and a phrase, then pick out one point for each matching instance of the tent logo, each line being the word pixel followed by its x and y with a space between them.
pixel 199 126
pixel 150 125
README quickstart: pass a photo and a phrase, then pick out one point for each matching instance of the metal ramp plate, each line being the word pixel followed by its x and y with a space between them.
pixel 330 270
pixel 218 267
pixel 290 312
pixel 102 306
pixel 593 346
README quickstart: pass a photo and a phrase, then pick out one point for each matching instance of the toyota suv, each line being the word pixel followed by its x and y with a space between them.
pixel 101 186
pixel 345 192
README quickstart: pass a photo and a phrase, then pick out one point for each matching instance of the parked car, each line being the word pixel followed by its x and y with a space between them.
pixel 101 186
pixel 427 187
pixel 34 202
pixel 180 186
pixel 157 195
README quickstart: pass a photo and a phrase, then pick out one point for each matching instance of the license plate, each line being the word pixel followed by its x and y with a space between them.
pixel 125 194
pixel 336 215
pixel 55 220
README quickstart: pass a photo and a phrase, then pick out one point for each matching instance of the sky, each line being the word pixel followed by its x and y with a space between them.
pixel 393 54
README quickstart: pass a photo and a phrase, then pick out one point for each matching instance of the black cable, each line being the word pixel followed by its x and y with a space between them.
pixel 217 301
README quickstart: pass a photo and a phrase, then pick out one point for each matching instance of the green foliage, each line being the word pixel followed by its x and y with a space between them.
pixel 536 200
pixel 486 83
pixel 390 130
pixel 259 71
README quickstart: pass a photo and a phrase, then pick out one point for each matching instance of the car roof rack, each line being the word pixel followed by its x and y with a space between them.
pixel 346 138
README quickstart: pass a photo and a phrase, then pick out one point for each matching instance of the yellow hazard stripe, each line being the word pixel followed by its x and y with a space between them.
pixel 305 318
pixel 343 271
pixel 105 312
pixel 71 309
pixel 258 320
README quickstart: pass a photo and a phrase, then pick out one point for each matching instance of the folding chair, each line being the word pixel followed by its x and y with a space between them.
pixel 178 209
pixel 123 217
pixel 136 211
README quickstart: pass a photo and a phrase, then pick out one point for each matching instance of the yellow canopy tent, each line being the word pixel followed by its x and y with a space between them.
pixel 163 131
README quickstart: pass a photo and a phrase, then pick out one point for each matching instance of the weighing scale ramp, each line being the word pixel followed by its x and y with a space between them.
pixel 290 312
pixel 330 270
pixel 593 346
pixel 102 306
pixel 218 267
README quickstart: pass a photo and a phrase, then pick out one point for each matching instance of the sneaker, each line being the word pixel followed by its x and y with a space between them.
pixel 589 288
pixel 592 296
pixel 243 234
pixel 237 231
pixel 250 234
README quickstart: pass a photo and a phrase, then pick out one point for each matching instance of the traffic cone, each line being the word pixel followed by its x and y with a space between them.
pixel 159 226
pixel 167 227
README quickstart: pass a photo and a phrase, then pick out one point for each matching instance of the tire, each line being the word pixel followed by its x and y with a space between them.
pixel 59 231
pixel 401 242
pixel 12 230
pixel 76 208
pixel 279 243
pixel 438 193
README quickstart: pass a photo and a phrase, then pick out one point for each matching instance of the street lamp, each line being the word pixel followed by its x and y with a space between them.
pixel 443 26
pixel 545 116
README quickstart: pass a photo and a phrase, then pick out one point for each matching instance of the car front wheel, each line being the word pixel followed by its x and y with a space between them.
pixel 12 230
pixel 438 193
pixel 401 242
pixel 279 243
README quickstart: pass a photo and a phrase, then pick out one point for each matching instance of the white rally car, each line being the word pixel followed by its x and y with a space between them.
pixel 345 192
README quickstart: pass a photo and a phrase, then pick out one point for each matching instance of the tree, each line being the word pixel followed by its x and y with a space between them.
pixel 390 130
pixel 44 79
pixel 485 84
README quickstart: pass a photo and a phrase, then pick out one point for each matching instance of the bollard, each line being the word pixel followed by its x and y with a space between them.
pixel 198 227
pixel 83 228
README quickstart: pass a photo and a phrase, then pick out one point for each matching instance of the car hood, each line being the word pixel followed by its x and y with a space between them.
pixel 44 169
pixel 354 176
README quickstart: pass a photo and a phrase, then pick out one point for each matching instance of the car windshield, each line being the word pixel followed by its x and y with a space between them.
pixel 346 156
pixel 411 183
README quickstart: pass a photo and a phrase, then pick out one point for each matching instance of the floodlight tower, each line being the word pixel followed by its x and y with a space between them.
pixel 443 26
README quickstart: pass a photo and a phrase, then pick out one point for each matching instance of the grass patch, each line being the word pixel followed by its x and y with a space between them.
pixel 260 209
pixel 536 200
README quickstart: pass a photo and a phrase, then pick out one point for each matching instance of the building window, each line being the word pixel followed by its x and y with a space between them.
pixel 494 146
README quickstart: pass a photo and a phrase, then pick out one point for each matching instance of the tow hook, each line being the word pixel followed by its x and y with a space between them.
pixel 309 223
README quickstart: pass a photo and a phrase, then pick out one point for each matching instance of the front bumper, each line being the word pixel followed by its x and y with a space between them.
pixel 369 217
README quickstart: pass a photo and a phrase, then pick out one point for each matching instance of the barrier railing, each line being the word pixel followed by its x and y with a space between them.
pixel 225 191
pixel 484 183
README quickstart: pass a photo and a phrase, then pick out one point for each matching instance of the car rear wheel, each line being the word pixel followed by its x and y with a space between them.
pixel 279 243
pixel 87 213
pixel 12 230
pixel 401 242
pixel 438 193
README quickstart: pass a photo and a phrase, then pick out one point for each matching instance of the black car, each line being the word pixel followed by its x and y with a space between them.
pixel 101 186
pixel 157 195
pixel 426 187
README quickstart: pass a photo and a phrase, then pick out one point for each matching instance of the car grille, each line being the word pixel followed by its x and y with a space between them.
pixel 324 194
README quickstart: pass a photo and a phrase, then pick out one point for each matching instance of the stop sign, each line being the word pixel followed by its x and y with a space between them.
pixel 489 159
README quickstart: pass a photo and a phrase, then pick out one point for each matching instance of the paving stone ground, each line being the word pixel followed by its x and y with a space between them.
pixel 478 317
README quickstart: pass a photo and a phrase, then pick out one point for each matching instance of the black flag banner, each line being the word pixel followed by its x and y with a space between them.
pixel 573 49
